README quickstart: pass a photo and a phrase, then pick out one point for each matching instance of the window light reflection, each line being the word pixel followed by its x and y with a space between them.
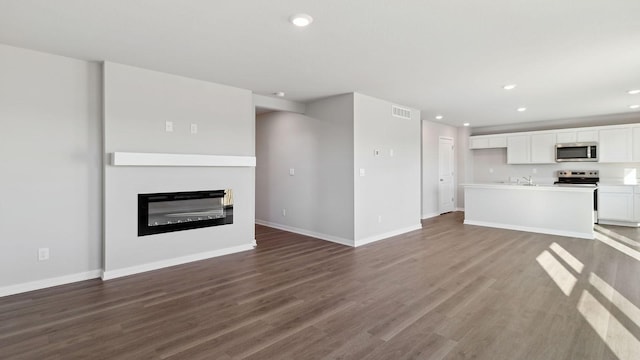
pixel 558 273
pixel 621 342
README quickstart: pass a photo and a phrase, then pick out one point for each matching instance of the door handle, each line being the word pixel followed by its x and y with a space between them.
pixel 441 179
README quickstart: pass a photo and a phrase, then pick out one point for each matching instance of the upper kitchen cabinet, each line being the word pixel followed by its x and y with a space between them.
pixel 615 145
pixel 576 136
pixel 531 149
pixel 636 143
pixel 543 148
pixel 487 142
pixel 519 149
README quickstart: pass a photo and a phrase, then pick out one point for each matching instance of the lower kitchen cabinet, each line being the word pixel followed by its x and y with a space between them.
pixel 616 203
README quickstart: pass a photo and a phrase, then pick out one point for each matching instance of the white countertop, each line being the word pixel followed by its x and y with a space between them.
pixel 535 187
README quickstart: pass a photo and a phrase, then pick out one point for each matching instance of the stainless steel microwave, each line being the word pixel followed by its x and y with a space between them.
pixel 587 151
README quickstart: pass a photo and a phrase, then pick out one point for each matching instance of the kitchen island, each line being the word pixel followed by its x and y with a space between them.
pixel 547 209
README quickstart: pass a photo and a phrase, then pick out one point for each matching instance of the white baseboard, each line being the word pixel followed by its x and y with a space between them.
pixel 112 274
pixel 581 235
pixel 460 209
pixel 429 216
pixel 305 232
pixel 386 235
pixel 619 223
pixel 46 283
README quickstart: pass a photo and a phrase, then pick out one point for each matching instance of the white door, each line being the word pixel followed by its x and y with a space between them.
pixel 446 188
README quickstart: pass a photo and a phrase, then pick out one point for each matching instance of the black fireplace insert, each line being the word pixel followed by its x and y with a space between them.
pixel 167 212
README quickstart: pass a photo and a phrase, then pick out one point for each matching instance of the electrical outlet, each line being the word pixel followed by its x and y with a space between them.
pixel 292 172
pixel 362 172
pixel 284 212
pixel 534 171
pixel 194 128
pixel 168 126
pixel 380 218
pixel 376 152
pixel 391 152
pixel 43 254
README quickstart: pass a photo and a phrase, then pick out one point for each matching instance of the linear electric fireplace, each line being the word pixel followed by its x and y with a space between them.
pixel 166 212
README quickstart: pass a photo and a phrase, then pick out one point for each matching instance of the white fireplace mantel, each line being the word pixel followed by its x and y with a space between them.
pixel 157 159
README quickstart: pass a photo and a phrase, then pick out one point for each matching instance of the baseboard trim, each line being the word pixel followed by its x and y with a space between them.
pixel 321 236
pixel 112 274
pixel 370 239
pixel 574 234
pixel 619 223
pixel 47 283
pixel 460 209
pixel 429 216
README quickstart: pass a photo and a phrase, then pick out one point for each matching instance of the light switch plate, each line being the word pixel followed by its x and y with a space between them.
pixel 168 126
pixel 362 172
pixel 292 171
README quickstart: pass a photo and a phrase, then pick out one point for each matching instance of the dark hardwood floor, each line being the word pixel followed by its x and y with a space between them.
pixel 448 291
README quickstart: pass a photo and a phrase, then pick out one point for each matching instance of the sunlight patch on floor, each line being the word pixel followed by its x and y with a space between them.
pixel 558 273
pixel 614 235
pixel 621 342
pixel 618 246
pixel 567 257
pixel 617 299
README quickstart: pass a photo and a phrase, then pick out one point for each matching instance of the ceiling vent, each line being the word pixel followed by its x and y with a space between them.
pixel 399 112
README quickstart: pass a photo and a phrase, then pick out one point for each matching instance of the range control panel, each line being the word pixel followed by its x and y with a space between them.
pixel 578 173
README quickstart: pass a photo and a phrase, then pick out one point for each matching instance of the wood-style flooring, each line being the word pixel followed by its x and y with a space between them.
pixel 448 291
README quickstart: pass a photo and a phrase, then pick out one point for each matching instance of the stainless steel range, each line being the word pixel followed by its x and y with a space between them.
pixel 588 178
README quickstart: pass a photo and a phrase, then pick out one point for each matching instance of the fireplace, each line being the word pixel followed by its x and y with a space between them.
pixel 167 212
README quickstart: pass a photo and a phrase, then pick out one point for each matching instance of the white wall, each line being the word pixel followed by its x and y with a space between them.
pixel 50 154
pixel 137 103
pixel 318 199
pixel 387 198
pixel 431 133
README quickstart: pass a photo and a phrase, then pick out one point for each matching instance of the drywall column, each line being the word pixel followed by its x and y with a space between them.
pixel 387 193
pixel 138 104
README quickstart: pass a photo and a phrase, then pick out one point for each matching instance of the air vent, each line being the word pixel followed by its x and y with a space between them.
pixel 399 112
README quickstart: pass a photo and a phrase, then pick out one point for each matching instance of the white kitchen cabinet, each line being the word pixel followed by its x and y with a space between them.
pixel 519 149
pixel 636 207
pixel 543 148
pixel 478 143
pixel 587 136
pixel 497 142
pixel 577 136
pixel 615 145
pixel 487 142
pixel 635 156
pixel 567 137
pixel 616 203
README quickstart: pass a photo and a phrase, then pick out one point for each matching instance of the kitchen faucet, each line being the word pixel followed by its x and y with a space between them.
pixel 529 179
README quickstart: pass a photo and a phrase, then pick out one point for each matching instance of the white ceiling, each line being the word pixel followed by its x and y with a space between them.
pixel 570 58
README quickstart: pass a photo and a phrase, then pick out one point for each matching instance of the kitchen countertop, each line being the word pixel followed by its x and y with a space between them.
pixel 534 187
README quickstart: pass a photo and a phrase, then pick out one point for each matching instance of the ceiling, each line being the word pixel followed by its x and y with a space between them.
pixel 569 58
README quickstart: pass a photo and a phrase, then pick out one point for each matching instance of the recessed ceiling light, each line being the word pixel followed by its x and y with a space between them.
pixel 301 20
pixel 522 109
pixel 279 94
pixel 509 87
pixel 634 106
pixel 439 117
pixel 633 92
pixel 466 124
